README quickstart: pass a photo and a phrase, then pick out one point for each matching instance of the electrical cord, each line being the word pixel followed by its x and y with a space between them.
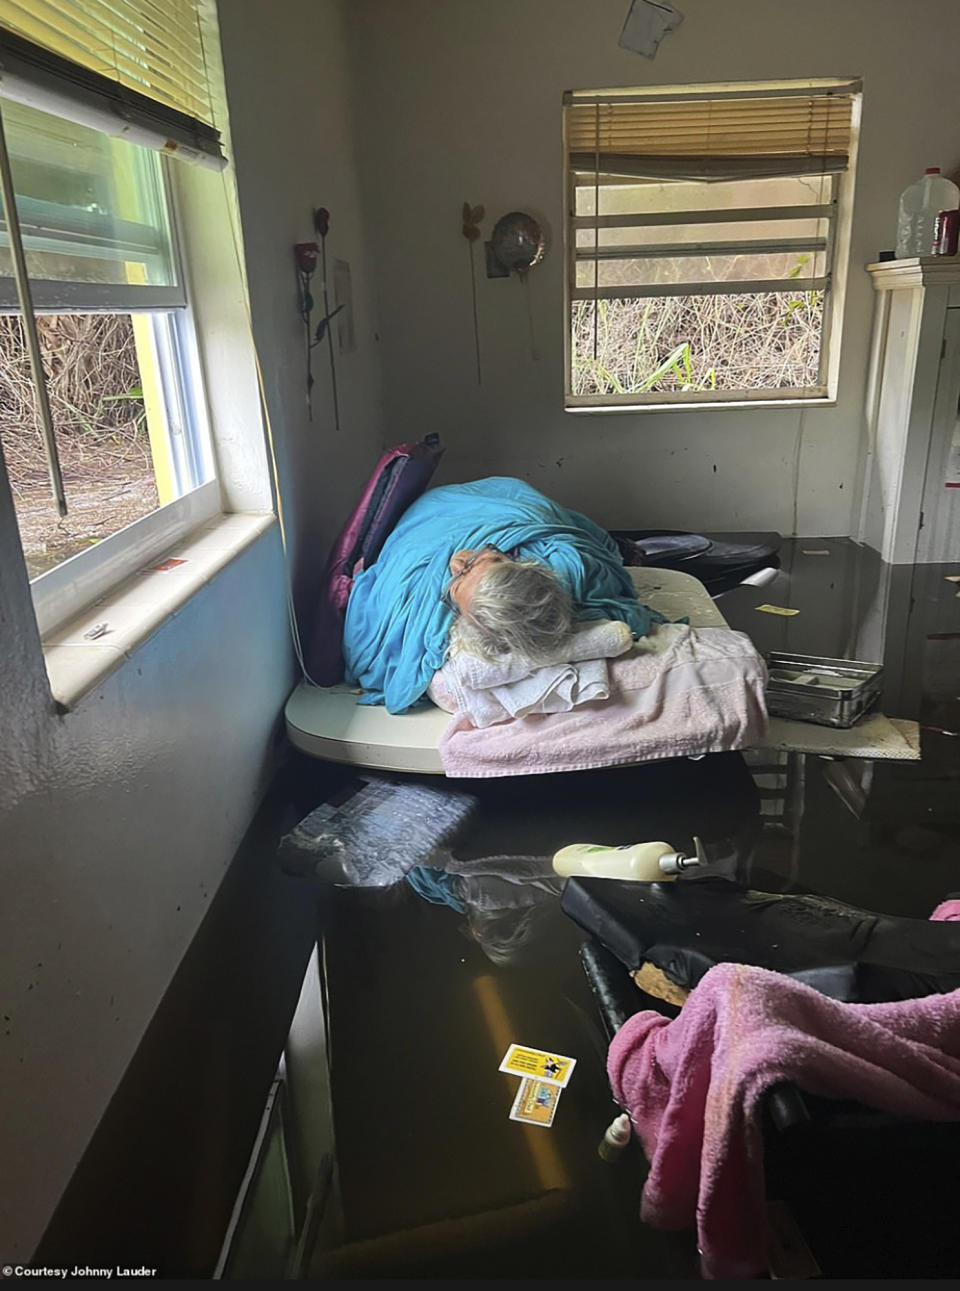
pixel 271 445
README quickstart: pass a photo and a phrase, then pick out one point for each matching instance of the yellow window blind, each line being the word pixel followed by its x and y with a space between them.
pixel 153 47
pixel 712 136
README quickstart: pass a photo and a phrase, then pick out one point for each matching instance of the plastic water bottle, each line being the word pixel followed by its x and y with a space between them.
pixel 919 206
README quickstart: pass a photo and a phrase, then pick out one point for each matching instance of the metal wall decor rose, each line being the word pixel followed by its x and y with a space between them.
pixel 306 255
pixel 517 242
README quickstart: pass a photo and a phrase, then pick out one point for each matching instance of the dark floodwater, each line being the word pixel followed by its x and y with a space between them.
pixel 422 1013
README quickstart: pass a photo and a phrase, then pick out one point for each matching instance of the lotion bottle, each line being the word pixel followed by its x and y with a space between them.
pixel 642 862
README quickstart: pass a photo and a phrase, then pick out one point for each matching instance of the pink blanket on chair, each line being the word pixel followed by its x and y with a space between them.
pixel 692 1087
pixel 681 692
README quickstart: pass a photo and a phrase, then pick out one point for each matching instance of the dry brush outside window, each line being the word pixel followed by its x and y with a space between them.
pixel 96 396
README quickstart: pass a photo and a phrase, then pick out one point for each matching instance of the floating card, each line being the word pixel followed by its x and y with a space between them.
pixel 554 1068
pixel 815 551
pixel 776 609
pixel 535 1103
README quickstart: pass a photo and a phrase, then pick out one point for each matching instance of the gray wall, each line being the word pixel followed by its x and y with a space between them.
pixel 118 821
pixel 461 101
pixel 290 116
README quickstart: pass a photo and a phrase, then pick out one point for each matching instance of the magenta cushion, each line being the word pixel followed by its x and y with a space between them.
pixel 400 477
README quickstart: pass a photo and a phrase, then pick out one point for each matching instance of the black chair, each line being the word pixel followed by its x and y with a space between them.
pixel 720 563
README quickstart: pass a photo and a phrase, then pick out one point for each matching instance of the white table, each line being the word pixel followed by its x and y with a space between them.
pixel 328 723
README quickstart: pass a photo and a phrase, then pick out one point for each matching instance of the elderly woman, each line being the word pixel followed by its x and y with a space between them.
pixel 486 591
pixel 491 567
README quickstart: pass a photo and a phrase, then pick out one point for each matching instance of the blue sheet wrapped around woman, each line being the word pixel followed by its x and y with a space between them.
pixel 397 627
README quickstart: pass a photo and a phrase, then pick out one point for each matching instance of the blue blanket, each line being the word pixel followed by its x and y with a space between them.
pixel 397 625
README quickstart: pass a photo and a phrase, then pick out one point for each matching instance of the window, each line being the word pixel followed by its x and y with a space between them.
pixel 96 207
pixel 118 349
pixel 706 241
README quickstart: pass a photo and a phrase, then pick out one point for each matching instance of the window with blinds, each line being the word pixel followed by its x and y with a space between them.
pixel 103 418
pixel 152 46
pixel 133 67
pixel 706 232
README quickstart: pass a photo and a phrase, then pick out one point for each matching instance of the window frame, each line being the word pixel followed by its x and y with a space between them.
pixel 79 582
pixel 67 589
pixel 838 213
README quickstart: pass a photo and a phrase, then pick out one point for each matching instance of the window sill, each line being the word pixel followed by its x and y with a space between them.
pixel 134 610
pixel 733 405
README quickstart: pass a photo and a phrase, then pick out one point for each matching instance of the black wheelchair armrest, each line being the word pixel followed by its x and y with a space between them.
pixel 618 998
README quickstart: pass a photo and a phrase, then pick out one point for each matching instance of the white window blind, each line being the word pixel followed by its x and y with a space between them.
pixel 708 192
pixel 139 66
pixel 713 137
pixel 153 46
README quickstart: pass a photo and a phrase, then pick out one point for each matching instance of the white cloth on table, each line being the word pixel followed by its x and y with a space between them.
pixel 487 691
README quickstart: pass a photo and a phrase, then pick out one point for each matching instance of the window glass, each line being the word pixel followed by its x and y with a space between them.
pixel 697 234
pixel 617 198
pixel 114 435
pixel 697 344
pixel 128 413
pixel 650 270
pixel 92 208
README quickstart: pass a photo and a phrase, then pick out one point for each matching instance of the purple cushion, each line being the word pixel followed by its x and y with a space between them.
pixel 400 477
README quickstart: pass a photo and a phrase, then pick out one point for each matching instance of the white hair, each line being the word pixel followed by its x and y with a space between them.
pixel 517 607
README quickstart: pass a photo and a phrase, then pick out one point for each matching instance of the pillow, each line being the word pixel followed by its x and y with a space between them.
pixel 400 477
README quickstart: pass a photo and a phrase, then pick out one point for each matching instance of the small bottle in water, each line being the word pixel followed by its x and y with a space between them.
pixel 616 1138
pixel 919 206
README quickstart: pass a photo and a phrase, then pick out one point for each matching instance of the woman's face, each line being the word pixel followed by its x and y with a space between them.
pixel 467 568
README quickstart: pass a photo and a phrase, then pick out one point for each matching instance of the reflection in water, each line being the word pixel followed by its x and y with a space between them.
pixel 510 900
pixel 854 829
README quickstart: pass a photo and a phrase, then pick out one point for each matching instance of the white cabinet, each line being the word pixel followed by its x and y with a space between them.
pixel 910 500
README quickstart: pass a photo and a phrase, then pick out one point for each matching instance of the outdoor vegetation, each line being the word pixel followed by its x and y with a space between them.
pixel 96 399
pixel 753 341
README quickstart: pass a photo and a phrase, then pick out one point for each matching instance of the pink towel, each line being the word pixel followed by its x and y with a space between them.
pixel 947 911
pixel 683 692
pixel 692 1087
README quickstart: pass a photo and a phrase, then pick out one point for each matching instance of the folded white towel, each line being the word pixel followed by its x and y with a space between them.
pixel 595 639
pixel 554 689
pixel 489 691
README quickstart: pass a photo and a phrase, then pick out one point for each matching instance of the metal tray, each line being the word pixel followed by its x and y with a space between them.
pixel 830 692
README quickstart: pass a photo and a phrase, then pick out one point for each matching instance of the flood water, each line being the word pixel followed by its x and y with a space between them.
pixel 436 1180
